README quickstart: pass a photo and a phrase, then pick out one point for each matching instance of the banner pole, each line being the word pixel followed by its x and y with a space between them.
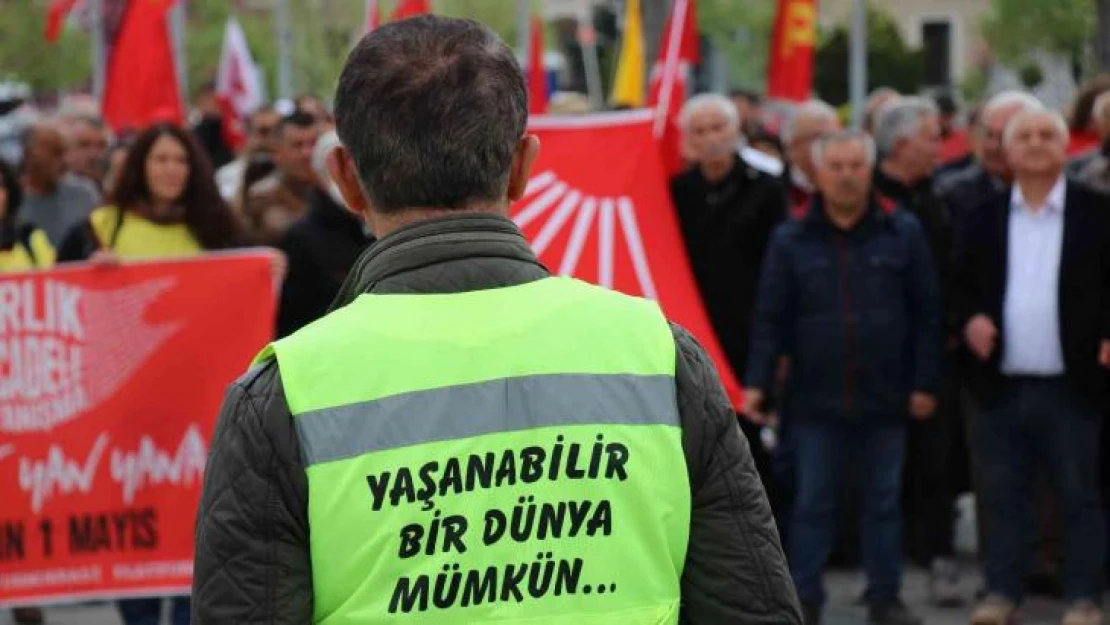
pixel 857 86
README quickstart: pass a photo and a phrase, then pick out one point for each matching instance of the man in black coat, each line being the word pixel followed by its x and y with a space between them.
pixel 908 133
pixel 1034 302
pixel 727 209
pixel 321 248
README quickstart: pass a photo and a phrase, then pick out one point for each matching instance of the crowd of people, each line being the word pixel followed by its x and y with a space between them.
pixel 82 193
pixel 927 301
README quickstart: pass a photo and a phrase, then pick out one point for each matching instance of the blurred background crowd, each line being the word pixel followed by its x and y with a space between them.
pixel 843 272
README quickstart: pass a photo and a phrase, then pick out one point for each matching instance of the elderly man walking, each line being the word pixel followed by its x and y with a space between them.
pixel 1034 301
pixel 849 295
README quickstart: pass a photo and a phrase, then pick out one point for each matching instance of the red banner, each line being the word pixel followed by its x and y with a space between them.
pixel 110 383
pixel 598 208
pixel 790 70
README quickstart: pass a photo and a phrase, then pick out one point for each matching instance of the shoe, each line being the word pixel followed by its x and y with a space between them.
pixel 27 616
pixel 994 610
pixel 1083 613
pixel 811 613
pixel 893 613
pixel 944 584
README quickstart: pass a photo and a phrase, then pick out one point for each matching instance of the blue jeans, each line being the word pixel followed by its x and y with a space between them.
pixel 1034 423
pixel 149 611
pixel 820 452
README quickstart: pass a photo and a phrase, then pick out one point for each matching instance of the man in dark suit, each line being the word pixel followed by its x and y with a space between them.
pixel 1034 298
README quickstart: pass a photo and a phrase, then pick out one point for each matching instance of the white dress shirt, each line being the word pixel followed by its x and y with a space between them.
pixel 1031 311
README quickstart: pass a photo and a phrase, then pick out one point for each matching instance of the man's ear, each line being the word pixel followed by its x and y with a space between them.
pixel 526 153
pixel 344 174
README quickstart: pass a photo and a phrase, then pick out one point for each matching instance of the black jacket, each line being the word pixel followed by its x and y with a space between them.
pixel 252 545
pixel 726 226
pixel 921 201
pixel 1084 292
pixel 966 191
pixel 856 311
pixel 321 248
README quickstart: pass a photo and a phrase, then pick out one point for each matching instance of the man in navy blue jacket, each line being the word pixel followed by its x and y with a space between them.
pixel 849 296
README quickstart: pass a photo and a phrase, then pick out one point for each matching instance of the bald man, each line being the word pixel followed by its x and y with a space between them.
pixel 53 200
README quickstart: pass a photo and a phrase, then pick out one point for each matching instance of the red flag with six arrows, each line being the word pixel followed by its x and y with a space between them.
pixel 597 208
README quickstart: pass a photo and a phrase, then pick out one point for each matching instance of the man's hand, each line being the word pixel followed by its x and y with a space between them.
pixel 1104 353
pixel 753 406
pixel 981 336
pixel 922 405
pixel 105 258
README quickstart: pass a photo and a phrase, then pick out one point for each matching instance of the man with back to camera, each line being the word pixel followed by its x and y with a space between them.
pixel 367 469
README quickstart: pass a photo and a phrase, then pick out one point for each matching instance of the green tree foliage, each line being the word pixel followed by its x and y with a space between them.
pixel 25 56
pixel 1015 27
pixel 891 63
pixel 741 30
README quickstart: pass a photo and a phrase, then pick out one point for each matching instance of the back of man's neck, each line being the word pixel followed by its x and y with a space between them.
pixel 385 224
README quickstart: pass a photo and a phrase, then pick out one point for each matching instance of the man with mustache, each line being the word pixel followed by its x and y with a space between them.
pixel 849 295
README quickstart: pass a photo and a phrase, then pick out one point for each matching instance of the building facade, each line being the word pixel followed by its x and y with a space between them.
pixel 948 31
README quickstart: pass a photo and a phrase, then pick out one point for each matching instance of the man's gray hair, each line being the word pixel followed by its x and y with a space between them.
pixel 901 119
pixel 1010 99
pixel 1015 124
pixel 813 109
pixel 843 136
pixel 714 101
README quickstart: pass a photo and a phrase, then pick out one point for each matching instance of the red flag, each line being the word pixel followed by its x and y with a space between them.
pixel 537 77
pixel 55 18
pixel 90 451
pixel 790 70
pixel 141 86
pixel 410 8
pixel 597 208
pixel 669 77
pixel 373 16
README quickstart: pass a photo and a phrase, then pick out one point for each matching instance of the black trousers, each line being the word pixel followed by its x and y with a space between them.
pixel 936 471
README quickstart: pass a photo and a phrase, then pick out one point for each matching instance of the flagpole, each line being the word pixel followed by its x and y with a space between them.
pixel 177 35
pixel 670 66
pixel 98 52
pixel 589 56
pixel 524 27
pixel 857 85
pixel 285 49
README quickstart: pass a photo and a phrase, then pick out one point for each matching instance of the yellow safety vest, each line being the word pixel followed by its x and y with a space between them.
pixel 503 456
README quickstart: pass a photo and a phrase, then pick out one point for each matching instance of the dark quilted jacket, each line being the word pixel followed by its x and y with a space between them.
pixel 252 540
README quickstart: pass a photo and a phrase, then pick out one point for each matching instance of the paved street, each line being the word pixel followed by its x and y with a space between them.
pixel 844 588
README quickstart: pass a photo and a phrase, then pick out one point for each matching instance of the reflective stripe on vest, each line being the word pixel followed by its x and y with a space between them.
pixel 510 455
